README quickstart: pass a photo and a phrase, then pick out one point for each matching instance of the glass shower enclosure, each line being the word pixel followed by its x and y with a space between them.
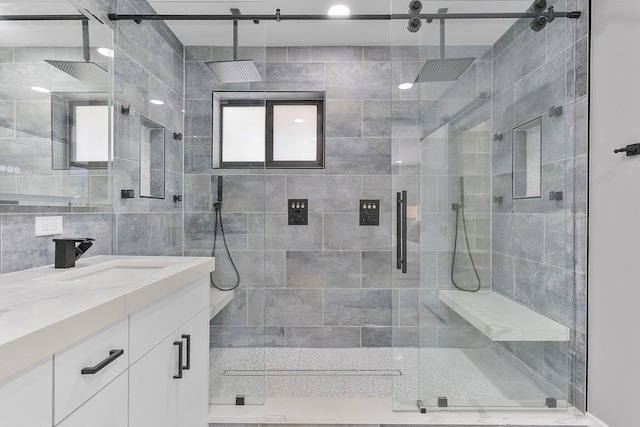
pixel 483 237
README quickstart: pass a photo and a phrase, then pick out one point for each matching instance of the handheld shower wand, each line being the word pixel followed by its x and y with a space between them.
pixel 459 208
pixel 217 205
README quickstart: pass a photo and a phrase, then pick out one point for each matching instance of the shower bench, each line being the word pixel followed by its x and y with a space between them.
pixel 502 319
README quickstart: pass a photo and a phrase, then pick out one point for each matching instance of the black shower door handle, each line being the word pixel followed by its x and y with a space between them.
pixel 401 230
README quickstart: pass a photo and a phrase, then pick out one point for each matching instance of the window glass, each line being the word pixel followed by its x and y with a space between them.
pixel 243 133
pixel 295 132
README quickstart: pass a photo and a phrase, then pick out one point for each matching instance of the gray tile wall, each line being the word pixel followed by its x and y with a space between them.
pixel 333 283
pixel 538 245
pixel 144 226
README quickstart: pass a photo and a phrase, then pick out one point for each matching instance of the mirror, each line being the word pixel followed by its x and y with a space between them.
pixel 151 159
pixel 527 159
pixel 79 130
pixel 55 109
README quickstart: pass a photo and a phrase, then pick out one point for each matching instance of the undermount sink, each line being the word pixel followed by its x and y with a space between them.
pixel 121 271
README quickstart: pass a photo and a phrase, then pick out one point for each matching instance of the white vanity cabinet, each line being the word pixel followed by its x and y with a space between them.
pixel 108 408
pixel 85 368
pixel 26 399
pixel 115 342
pixel 168 377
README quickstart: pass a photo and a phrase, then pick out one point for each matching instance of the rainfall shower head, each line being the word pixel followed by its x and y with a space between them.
pixel 82 70
pixel 237 70
pixel 443 69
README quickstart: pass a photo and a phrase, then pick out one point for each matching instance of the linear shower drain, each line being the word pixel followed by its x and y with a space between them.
pixel 312 372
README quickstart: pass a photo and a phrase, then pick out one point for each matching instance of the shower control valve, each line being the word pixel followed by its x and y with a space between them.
pixel 369 212
pixel 298 211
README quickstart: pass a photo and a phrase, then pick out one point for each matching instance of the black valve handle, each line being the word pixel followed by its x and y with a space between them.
pixel 631 149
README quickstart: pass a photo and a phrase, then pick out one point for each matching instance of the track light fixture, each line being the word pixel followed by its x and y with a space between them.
pixel 414 24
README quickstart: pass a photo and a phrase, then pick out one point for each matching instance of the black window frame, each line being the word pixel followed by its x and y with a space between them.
pixel 269 162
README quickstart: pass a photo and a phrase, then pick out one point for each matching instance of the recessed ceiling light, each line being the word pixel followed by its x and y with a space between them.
pixel 157 102
pixel 40 89
pixel 405 85
pixel 398 161
pixel 339 10
pixel 298 120
pixel 105 52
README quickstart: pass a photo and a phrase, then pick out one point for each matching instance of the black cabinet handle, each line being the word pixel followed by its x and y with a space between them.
pixel 179 344
pixel 113 355
pixel 401 231
pixel 187 338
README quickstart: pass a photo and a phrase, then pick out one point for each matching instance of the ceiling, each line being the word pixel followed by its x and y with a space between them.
pixel 336 33
pixel 271 33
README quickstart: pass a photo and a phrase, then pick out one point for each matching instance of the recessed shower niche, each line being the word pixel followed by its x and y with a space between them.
pixel 152 146
pixel 527 159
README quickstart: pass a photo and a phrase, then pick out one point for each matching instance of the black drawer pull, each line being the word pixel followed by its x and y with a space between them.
pixel 187 338
pixel 179 344
pixel 113 355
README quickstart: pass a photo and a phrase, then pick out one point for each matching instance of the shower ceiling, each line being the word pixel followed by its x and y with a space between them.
pixel 336 33
pixel 285 33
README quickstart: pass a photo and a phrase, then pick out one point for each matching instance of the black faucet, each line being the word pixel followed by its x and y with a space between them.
pixel 67 252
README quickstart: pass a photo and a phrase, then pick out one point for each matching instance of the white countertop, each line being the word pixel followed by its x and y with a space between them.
pixel 44 310
pixel 502 319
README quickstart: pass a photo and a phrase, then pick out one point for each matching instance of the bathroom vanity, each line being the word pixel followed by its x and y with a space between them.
pixel 115 341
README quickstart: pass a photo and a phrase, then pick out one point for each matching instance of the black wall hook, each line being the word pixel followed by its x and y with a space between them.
pixel 631 149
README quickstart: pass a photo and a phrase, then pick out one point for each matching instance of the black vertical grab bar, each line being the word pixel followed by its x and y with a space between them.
pixel 401 224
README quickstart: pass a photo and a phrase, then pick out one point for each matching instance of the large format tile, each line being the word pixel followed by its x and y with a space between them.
pixel 293 307
pixel 341 233
pixel 358 80
pixel 357 307
pixel 323 269
pixel 325 193
pixel 323 337
pixel 358 156
pixel 279 235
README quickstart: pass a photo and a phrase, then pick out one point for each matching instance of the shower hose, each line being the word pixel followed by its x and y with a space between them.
pixel 218 213
pixel 460 208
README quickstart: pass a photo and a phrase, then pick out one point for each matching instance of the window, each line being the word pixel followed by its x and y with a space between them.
pixel 272 133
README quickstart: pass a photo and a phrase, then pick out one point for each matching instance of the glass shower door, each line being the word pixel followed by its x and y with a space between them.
pixel 495 283
pixel 238 362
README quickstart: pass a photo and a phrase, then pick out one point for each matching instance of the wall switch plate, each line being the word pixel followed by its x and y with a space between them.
pixel 369 212
pixel 298 211
pixel 48 225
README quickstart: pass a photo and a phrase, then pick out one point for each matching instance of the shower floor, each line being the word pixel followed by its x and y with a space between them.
pixel 470 377
pixel 355 385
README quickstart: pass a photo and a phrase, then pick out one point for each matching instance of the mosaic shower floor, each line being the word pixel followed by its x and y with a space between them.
pixel 470 377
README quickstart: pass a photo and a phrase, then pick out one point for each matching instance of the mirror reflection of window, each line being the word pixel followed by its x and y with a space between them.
pixel 91 133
